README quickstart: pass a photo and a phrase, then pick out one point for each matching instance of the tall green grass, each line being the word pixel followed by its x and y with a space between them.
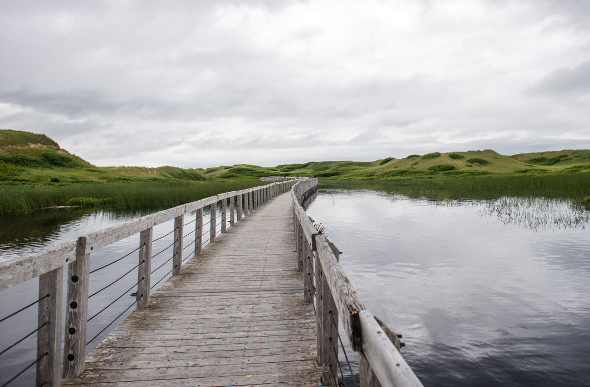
pixel 574 186
pixel 27 198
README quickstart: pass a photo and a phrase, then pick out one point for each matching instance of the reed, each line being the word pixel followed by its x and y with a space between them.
pixel 575 186
pixel 28 198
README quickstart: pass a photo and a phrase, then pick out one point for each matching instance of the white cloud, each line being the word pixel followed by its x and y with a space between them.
pixel 208 83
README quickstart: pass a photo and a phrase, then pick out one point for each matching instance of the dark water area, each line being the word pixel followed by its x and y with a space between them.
pixel 485 292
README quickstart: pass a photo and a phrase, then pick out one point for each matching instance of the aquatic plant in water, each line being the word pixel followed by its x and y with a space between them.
pixel 539 213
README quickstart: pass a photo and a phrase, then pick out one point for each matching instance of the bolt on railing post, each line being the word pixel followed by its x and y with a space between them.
pixel 178 243
pixel 145 268
pixel 231 211
pixel 49 338
pixel 239 208
pixel 76 312
pixel 213 228
pixel 199 232
pixel 223 215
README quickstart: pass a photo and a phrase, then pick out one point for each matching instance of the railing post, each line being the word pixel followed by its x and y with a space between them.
pixel 327 324
pixel 199 232
pixel 76 312
pixel 213 229
pixel 299 247
pixel 307 280
pixel 250 201
pixel 223 215
pixel 178 242
pixel 145 268
pixel 49 337
pixel 239 208
pixel 231 211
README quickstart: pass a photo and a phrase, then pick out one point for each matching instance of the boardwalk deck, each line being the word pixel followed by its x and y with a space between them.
pixel 235 316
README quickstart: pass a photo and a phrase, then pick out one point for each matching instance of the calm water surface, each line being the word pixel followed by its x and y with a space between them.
pixel 485 293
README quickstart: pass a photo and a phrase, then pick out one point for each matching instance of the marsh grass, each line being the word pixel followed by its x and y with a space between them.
pixel 562 185
pixel 27 198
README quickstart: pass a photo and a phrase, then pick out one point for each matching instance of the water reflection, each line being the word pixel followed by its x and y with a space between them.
pixel 490 292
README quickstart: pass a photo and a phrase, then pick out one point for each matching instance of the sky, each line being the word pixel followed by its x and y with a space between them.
pixel 267 82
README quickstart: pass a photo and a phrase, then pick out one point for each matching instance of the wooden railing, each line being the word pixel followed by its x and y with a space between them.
pixel 49 265
pixel 326 284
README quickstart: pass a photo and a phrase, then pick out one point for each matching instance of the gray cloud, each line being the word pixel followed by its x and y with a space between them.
pixel 201 83
pixel 566 81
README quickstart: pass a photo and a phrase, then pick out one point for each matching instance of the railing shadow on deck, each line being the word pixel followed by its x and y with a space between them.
pixel 48 266
pixel 327 286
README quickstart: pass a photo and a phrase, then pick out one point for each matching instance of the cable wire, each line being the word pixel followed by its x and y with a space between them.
pixel 26 368
pixel 169 246
pixel 160 280
pixel 344 351
pixel 165 235
pixel 109 264
pixel 117 299
pixel 28 306
pixel 117 280
pixel 116 318
pixel 35 331
pixel 168 260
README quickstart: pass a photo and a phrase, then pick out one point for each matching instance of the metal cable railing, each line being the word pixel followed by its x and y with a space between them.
pixel 117 260
pixel 24 308
pixel 25 369
pixel 117 299
pixel 116 318
pixel 115 281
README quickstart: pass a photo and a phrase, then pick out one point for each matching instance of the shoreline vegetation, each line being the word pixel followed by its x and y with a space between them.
pixel 36 173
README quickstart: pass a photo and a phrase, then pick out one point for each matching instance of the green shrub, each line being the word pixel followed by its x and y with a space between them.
pixel 478 161
pixel 441 167
pixel 386 160
pixel 432 155
pixel 471 172
pixel 456 156
pixel 412 156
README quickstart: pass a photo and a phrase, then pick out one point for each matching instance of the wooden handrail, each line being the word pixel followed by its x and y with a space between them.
pixel 381 364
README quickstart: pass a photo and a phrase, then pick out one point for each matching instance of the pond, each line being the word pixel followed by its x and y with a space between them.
pixel 487 292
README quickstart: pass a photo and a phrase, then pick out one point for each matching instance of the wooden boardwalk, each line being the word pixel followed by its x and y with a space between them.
pixel 235 316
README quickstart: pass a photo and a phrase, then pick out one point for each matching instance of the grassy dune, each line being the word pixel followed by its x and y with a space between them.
pixel 35 173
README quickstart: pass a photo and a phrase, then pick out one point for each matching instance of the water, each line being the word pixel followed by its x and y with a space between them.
pixel 32 233
pixel 484 292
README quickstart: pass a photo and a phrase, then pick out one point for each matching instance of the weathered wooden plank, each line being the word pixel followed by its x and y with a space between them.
pixel 76 311
pixel 231 211
pixel 144 269
pixel 199 232
pixel 178 242
pixel 345 296
pixel 49 337
pixel 223 216
pixel 15 271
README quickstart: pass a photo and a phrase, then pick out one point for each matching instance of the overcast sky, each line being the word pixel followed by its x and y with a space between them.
pixel 268 82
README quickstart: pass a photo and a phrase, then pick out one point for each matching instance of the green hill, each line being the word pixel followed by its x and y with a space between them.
pixel 37 159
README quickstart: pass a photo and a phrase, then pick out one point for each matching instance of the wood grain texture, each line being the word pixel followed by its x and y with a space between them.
pixel 384 358
pixel 234 316
pixel 76 311
pixel 49 337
